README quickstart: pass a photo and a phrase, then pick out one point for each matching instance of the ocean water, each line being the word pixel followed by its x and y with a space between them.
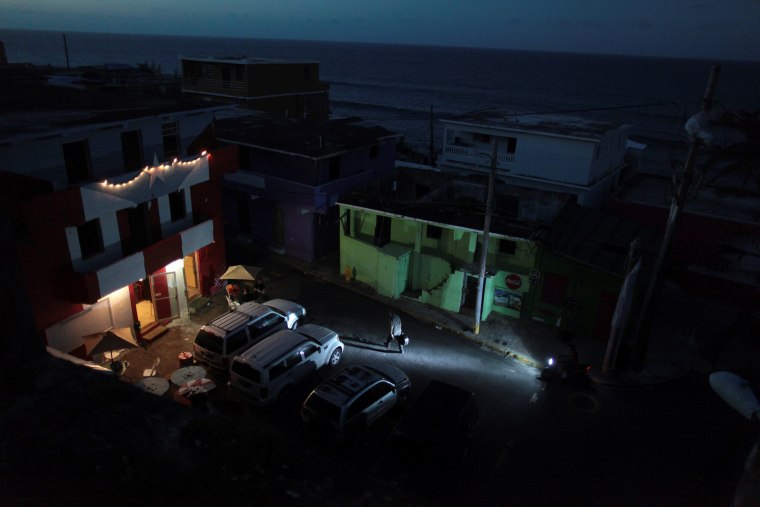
pixel 397 85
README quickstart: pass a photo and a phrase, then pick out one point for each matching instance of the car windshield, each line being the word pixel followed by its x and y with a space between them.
pixel 209 341
pixel 245 371
pixel 326 410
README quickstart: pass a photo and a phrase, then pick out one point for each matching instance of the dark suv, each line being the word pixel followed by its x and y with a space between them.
pixel 438 426
pixel 355 398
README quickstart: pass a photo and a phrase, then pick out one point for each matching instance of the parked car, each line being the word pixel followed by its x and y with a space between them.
pixel 269 369
pixel 236 330
pixel 437 427
pixel 354 398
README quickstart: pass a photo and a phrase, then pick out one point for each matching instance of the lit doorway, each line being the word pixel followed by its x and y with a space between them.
pixel 144 303
pixel 192 284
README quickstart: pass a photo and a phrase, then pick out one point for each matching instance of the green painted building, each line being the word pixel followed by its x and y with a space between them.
pixel 562 274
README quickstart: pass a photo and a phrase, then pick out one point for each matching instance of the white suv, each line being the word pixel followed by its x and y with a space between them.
pixel 234 331
pixel 354 398
pixel 267 371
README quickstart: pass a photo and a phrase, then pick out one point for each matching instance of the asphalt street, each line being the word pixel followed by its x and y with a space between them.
pixel 545 444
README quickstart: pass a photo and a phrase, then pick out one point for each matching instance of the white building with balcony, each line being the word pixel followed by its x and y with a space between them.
pixel 116 213
pixel 542 159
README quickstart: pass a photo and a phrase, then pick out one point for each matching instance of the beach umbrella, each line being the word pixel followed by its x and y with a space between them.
pixel 108 341
pixel 241 272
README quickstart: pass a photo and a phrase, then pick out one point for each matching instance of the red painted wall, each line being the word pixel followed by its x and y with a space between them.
pixel 44 254
pixel 206 200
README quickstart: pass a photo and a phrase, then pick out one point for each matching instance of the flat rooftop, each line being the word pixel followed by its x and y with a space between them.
pixel 32 107
pixel 300 136
pixel 561 125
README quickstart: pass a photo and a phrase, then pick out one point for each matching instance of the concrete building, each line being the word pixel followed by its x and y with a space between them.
pixel 541 158
pixel 567 271
pixel 288 88
pixel 291 173
pixel 116 209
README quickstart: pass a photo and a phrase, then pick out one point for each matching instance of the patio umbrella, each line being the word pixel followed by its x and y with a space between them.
pixel 241 272
pixel 108 341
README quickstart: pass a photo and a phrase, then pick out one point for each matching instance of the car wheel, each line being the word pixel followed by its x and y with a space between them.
pixel 335 357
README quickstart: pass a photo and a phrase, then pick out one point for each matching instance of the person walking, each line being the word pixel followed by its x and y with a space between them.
pixel 395 328
pixel 395 332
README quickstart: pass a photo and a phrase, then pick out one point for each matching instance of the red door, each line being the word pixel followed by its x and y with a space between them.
pixel 164 292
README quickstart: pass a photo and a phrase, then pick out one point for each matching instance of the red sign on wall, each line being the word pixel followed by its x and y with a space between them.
pixel 513 281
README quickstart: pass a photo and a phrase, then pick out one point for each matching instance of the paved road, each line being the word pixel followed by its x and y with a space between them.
pixel 538 444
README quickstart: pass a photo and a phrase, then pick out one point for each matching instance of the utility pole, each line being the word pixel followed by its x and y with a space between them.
pixel 66 50
pixel 432 146
pixel 486 231
pixel 643 326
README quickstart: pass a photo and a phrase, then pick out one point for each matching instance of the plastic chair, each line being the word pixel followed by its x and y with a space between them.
pixel 151 372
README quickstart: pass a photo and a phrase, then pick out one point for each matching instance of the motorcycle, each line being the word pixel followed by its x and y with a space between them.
pixel 566 369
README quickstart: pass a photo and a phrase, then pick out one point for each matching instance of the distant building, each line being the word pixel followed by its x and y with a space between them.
pixel 540 158
pixel 288 88
pixel 115 206
pixel 291 173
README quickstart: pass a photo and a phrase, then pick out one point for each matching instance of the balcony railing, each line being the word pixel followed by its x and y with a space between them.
pixel 205 83
pixel 476 156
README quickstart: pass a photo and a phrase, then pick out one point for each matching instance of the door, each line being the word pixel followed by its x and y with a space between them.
pixel 163 289
pixel 191 275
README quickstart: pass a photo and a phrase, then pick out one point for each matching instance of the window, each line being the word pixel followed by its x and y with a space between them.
pixel 139 228
pixel 76 157
pixel 309 350
pixel 382 230
pixel 334 168
pixel 373 151
pixel 170 133
pixel 265 324
pixel 481 138
pixel 225 77
pixel 306 72
pixel 238 73
pixel 177 205
pixel 289 362
pixel 345 221
pixel 433 231
pixel 90 238
pixel 132 150
pixel 511 145
pixel 507 246
pixel 235 341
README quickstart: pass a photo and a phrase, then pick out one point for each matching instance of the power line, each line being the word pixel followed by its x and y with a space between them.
pixel 421 116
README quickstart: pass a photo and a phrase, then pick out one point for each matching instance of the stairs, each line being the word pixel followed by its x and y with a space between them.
pixel 153 331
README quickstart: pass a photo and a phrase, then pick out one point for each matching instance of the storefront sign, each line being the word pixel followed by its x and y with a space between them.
pixel 513 281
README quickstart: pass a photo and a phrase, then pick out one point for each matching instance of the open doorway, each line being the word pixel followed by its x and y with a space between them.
pixel 192 285
pixel 144 304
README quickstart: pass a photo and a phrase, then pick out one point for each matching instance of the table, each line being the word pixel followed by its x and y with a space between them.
pixel 187 374
pixel 154 385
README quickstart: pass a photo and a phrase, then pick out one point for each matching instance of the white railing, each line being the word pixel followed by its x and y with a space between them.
pixel 475 156
pixel 206 83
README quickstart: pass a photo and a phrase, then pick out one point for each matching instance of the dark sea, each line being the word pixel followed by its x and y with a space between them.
pixel 396 85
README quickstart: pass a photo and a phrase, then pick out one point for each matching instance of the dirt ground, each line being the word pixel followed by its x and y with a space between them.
pixel 74 436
